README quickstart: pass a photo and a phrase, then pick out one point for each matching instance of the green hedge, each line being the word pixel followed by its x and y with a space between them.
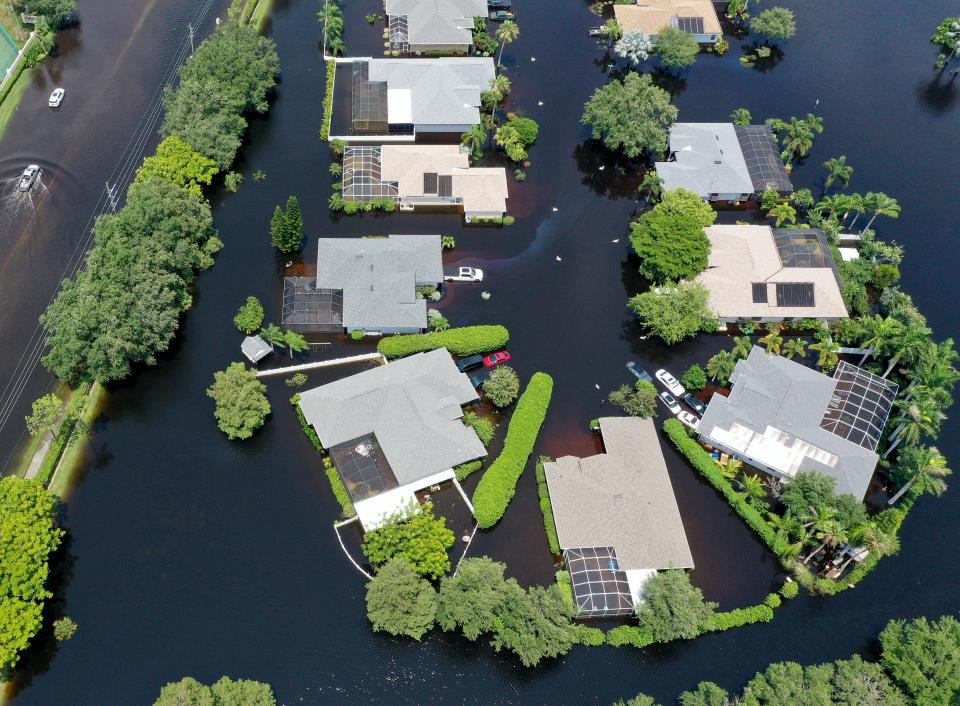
pixel 773 600
pixel 565 584
pixel 546 507
pixel 790 590
pixel 62 437
pixel 339 491
pixel 629 635
pixel 328 100
pixel 307 429
pixel 466 340
pixel 739 617
pixel 703 462
pixel 499 482
pixel 466 469
pixel 592 637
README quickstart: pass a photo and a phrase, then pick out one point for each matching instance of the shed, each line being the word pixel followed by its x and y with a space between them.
pixel 255 349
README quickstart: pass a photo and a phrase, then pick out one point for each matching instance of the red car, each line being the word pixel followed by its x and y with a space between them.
pixel 496 358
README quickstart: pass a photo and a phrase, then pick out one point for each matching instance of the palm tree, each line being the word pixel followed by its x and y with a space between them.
pixel 336 47
pixel 797 142
pixel 814 122
pixel 882 205
pixel 927 468
pixel 870 536
pixel 295 342
pixel 273 335
pixel 834 203
pixel 731 468
pixel 501 86
pixel 652 185
pixel 772 341
pixel 741 346
pixel 878 334
pixel 506 33
pixel 910 344
pixel 828 354
pixel 740 116
pixel 752 489
pixel 794 347
pixel 783 212
pixel 791 533
pixel 827 529
pixel 838 170
pixel 856 204
pixel 934 370
pixel 917 418
pixel 721 366
pixel 474 139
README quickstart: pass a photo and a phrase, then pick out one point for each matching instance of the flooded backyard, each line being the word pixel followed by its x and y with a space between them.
pixel 193 555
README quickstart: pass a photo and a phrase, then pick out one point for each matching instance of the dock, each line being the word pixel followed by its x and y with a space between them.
pixel 378 357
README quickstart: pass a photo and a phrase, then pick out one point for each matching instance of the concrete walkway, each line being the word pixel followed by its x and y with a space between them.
pixel 41 452
pixel 323 364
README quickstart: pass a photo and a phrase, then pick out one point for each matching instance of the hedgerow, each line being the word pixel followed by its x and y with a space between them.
pixel 739 616
pixel 790 590
pixel 499 482
pixel 466 340
pixel 546 507
pixel 328 100
pixel 466 469
pixel 592 637
pixel 629 635
pixel 703 462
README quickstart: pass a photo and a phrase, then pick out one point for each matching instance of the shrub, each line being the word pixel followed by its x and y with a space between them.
pixel 639 402
pixel 499 483
pixel 249 317
pixel 64 628
pixel 466 469
pixel 415 534
pixel 673 608
pixel 484 428
pixel 695 378
pixel 565 584
pixel 400 602
pixel 307 428
pixel 465 340
pixel 339 490
pixel 546 507
pixel 772 600
pixel 738 617
pixel 790 590
pixel 592 637
pixel 629 635
pixel 232 181
pixel 472 598
pixel 357 334
pixel 703 462
pixel 526 128
pixel 503 386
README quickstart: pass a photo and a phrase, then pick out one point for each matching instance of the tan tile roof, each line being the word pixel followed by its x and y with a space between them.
pixel 653 15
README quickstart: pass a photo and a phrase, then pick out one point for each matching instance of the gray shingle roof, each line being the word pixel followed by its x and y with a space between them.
pixel 443 91
pixel 255 348
pixel 775 409
pixel 379 277
pixel 621 499
pixel 708 160
pixel 438 21
pixel 412 406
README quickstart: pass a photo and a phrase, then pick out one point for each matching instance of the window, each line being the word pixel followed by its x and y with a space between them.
pixel 759 292
pixel 430 183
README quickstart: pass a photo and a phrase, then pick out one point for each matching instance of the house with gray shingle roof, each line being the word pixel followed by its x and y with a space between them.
pixel 723 162
pixel 616 517
pixel 394 430
pixel 783 417
pixel 433 25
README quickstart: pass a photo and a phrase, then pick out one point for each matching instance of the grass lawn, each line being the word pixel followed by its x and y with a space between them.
pixel 8 22
pixel 9 105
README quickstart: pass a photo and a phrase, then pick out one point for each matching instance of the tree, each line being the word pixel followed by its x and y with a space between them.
pixel 707 694
pixel 924 658
pixel 177 162
pixel 503 386
pixel 473 597
pixel 741 116
pixel 507 32
pixel 286 226
pixel 827 354
pixel 670 238
pixel 790 684
pixel 400 602
pixel 879 204
pixel 632 115
pixel 808 489
pixel 484 428
pixel 909 346
pixel 837 170
pixel 783 212
pixel 295 342
pixel 772 342
pixel 803 198
pixel 414 534
pixel 720 367
pixel 249 317
pixel 673 608
pixel 921 466
pixel 28 536
pixel 474 139
pixel 859 683
pixel 634 45
pixel 225 692
pixel 527 129
pixel 775 23
pixel 640 402
pixel 64 628
pixel 752 489
pixel 675 47
pixel 915 419
pixel 274 335
pixel 44 414
pixel 534 624
pixel 879 334
pixel 186 692
pixel 742 345
pixel 57 13
pixel 638 700
pixel 652 186
pixel 676 312
pixel 694 378
pixel 241 401
pixel 795 347
pixel 509 138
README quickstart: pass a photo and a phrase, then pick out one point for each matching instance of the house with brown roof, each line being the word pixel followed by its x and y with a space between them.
pixel 697 17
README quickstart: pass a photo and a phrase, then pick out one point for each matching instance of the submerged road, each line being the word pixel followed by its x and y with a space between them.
pixel 113 65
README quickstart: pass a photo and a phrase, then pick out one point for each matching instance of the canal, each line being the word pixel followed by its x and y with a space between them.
pixel 192 555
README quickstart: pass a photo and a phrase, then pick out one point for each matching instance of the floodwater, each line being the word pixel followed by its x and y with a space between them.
pixel 190 554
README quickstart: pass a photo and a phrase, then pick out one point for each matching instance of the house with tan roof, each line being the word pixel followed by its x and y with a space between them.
pixel 697 17
pixel 759 273
pixel 617 518
pixel 420 176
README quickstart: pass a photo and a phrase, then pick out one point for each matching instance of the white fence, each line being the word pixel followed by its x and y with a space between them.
pixel 12 71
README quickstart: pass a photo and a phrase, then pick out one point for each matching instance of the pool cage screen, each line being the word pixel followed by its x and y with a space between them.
pixel 600 587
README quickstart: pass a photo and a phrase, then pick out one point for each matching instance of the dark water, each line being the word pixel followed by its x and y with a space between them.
pixel 193 555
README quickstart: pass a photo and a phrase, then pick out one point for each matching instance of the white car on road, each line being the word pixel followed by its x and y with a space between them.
pixel 670 382
pixel 29 176
pixel 56 98
pixel 671 403
pixel 688 419
pixel 465 274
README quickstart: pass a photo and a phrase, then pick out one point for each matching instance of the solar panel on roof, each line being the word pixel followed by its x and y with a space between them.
pixel 860 406
pixel 445 185
pixel 759 292
pixel 795 294
pixel 691 25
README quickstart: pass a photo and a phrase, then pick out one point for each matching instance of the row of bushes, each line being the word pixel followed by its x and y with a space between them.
pixel 71 417
pixel 738 617
pixel 492 220
pixel 466 340
pixel 703 462
pixel 339 204
pixel 464 470
pixel 328 100
pixel 546 507
pixel 336 484
pixel 499 482
pixel 305 425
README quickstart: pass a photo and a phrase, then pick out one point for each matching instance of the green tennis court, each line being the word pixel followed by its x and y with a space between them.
pixel 8 52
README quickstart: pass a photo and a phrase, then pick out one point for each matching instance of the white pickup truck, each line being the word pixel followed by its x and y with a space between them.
pixel 465 274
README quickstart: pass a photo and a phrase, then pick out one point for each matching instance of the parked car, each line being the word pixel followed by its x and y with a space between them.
pixel 496 358
pixel 499 4
pixel 56 98
pixel 480 378
pixel 688 420
pixel 639 372
pixel 670 382
pixel 465 274
pixel 29 176
pixel 670 401
pixel 698 406
pixel 471 362
pixel 500 15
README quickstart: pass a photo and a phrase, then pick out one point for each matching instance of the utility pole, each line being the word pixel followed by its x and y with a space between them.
pixel 190 27
pixel 112 196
